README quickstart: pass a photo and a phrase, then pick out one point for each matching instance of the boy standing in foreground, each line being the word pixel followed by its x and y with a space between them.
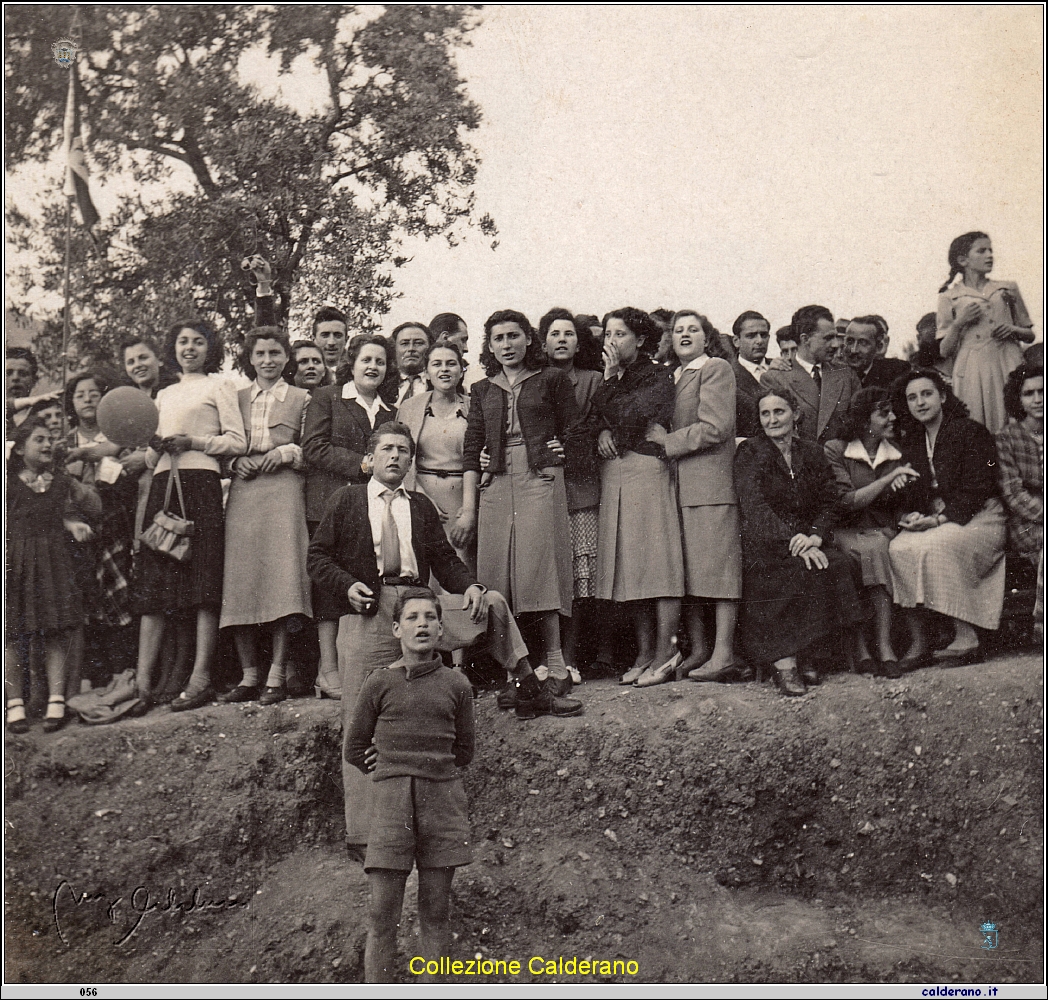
pixel 419 716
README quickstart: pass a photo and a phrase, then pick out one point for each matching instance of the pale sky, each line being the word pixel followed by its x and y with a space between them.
pixel 731 158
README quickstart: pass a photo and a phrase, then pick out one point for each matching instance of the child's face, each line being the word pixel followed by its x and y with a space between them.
pixel 419 628
pixel 37 451
pixel 52 416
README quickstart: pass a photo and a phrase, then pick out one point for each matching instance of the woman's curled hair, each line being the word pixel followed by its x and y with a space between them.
pixel 864 404
pixel 534 356
pixel 215 350
pixel 344 373
pixel 906 423
pixel 640 324
pixel 253 337
pixel 1013 388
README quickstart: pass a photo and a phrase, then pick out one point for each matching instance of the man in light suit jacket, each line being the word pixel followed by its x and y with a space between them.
pixel 824 389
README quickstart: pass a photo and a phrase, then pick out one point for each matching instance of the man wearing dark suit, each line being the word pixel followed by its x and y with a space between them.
pixel 751 333
pixel 822 388
pixel 376 539
pixel 864 340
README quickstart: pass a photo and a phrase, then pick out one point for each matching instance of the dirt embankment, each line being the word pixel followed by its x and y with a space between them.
pixel 708 833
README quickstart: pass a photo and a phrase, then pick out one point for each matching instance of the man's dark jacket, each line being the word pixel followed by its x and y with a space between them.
pixel 342 551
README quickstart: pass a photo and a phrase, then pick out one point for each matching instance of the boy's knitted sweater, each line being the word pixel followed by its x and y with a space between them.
pixel 419 717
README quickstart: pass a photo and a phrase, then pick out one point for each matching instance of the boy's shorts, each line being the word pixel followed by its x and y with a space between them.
pixel 418 821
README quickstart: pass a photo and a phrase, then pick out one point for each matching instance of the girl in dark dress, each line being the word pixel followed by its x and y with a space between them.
pixel 46 513
pixel 797 592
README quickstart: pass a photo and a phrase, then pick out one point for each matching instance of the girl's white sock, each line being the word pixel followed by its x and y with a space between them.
pixel 15 710
pixel 555 661
pixel 55 707
pixel 276 676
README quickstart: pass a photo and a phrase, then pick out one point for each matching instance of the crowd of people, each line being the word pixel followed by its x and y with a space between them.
pixel 640 482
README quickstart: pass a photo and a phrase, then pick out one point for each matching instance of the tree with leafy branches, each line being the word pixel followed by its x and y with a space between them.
pixel 216 171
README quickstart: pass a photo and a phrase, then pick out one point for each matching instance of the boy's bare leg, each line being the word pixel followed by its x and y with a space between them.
pixel 434 904
pixel 386 887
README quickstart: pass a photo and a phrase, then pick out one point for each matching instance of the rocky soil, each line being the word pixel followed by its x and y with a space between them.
pixel 708 833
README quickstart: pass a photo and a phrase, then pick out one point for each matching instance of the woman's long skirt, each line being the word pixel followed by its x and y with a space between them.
pixel 788 608
pixel 957 570
pixel 265 575
pixel 523 538
pixel 712 551
pixel 639 552
pixel 166 585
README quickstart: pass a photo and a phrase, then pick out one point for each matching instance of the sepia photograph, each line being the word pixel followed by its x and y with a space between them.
pixel 618 430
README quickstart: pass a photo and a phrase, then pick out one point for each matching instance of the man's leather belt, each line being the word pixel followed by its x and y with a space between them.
pixel 401 581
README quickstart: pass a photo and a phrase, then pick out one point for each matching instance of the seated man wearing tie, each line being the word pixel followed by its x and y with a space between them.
pixel 411 341
pixel 376 539
pixel 823 388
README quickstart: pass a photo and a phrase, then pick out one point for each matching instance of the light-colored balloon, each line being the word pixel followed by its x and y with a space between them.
pixel 127 416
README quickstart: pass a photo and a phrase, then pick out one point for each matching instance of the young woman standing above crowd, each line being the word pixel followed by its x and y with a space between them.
pixel 982 322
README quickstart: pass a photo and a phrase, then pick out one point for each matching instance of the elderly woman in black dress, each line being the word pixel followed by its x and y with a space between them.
pixel 639 557
pixel 798 593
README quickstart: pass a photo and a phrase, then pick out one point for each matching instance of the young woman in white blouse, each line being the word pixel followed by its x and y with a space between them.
pixel 200 422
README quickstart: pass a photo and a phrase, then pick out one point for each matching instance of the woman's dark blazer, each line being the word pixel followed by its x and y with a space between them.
pixel 546 408
pixel 628 406
pixel 965 458
pixel 333 444
pixel 774 506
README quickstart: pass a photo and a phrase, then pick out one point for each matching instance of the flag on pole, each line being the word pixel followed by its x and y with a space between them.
pixel 76 165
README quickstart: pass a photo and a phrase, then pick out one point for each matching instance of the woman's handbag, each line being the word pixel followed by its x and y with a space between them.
pixel 169 533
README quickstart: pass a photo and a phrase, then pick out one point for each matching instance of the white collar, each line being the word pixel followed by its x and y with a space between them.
pixel 886 452
pixel 349 391
pixel 806 365
pixel 692 366
pixel 376 489
pixel 278 389
pixel 754 367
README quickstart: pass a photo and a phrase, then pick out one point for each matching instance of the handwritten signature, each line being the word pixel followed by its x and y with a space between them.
pixel 139 905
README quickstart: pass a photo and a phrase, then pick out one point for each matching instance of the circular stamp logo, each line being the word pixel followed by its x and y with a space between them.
pixel 65 50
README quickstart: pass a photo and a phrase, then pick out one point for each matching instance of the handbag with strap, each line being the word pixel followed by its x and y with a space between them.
pixel 170 534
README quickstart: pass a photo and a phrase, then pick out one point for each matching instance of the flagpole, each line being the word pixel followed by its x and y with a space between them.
pixel 65 321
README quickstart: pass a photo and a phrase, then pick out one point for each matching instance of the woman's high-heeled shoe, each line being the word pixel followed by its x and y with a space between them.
pixel 631 675
pixel 670 670
pixel 323 691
